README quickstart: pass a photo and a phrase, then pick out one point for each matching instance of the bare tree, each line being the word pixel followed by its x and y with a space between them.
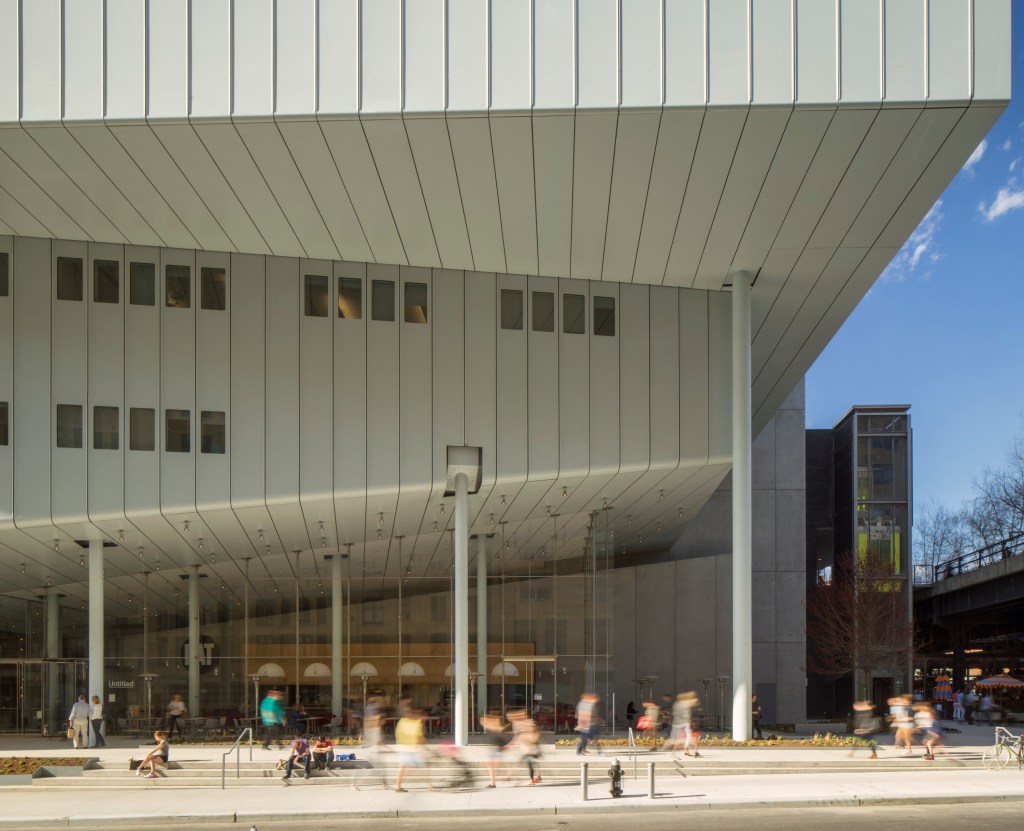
pixel 940 534
pixel 858 623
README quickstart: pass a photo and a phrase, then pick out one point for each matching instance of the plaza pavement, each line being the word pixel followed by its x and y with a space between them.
pixel 960 778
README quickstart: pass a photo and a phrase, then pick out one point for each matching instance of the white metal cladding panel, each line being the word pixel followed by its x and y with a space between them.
pixel 949 40
pixel 448 330
pixel 397 170
pixel 592 176
pixel 467 55
pixel 817 64
pixel 350 411
pixel 167 61
pixel 574 386
pixel 316 394
pixel 416 429
pixel 554 26
pixel 432 153
pixel 511 54
pixel 860 50
pixel 10 60
pixel 604 383
pixel 247 413
pixel 665 354
pixel 252 57
pixel 40 60
pixel 31 408
pixel 213 383
pixel 338 56
pixel 694 380
pixel 481 366
pixel 382 386
pixel 512 145
pixel 772 47
pixel 642 56
pixel 31 198
pixel 295 52
pixel 423 60
pixel 635 143
pixel 597 53
pixel 729 52
pixel 69 378
pixel 686 73
pixel 992 55
pixel 474 162
pixel 513 391
pixel 553 165
pixel 7 386
pixel 177 384
pixel 635 396
pixel 125 54
pixel 82 63
pixel 284 304
pixel 210 92
pixel 542 381
pixel 142 384
pixel 380 52
pixel 106 385
pixel 905 58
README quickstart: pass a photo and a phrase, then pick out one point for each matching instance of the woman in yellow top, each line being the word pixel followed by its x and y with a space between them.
pixel 409 738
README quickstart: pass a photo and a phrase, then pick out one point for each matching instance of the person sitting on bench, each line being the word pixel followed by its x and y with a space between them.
pixel 323 752
pixel 298 752
pixel 157 756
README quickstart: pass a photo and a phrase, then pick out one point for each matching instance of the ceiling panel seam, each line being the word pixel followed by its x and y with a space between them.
pixel 650 177
pixel 384 192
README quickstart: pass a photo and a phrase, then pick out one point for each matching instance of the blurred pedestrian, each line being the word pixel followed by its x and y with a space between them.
pixel 173 716
pixel 497 738
pixel 409 738
pixel 866 724
pixel 526 742
pixel 585 721
pixel 649 722
pixel 931 732
pixel 902 723
pixel 630 715
pixel 273 717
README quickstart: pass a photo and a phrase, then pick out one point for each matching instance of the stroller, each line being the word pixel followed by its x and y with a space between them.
pixel 455 771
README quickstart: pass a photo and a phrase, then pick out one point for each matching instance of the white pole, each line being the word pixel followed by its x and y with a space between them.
pixel 481 625
pixel 96 616
pixel 194 646
pixel 461 610
pixel 337 608
pixel 742 625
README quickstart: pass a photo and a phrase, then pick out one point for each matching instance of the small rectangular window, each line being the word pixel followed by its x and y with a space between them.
pixel 215 287
pixel 69 278
pixel 178 291
pixel 604 316
pixel 574 314
pixel 142 428
pixel 383 300
pixel 105 429
pixel 5 266
pixel 4 424
pixel 511 309
pixel 142 284
pixel 179 431
pixel 415 302
pixel 69 425
pixel 350 298
pixel 212 427
pixel 106 281
pixel 316 295
pixel 543 311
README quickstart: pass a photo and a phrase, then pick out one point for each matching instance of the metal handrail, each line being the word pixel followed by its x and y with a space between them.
pixel 1013 545
pixel 632 750
pixel 238 758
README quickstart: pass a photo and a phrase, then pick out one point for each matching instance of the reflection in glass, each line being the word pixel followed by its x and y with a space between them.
pixel 543 318
pixel 69 425
pixel 383 300
pixel 142 289
pixel 105 428
pixel 316 295
pixel 69 278
pixel 178 288
pixel 574 314
pixel 511 309
pixel 415 302
pixel 179 431
pixel 106 281
pixel 214 289
pixel 350 298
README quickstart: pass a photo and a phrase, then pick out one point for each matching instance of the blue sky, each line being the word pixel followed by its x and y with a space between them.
pixel 943 328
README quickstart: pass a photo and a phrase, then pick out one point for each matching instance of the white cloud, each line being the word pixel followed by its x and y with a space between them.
pixel 1014 163
pixel 975 157
pixel 1006 146
pixel 919 250
pixel 1009 198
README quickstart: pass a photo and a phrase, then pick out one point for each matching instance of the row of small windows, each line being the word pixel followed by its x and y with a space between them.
pixel 141 428
pixel 542 313
pixel 5 264
pixel 350 299
pixel 106 284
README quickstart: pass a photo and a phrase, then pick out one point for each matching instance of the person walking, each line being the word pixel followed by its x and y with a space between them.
pixel 497 738
pixel 755 715
pixel 526 740
pixel 175 713
pixel 298 753
pixel 630 715
pixel 272 716
pixel 96 717
pixel 902 722
pixel 409 738
pixel 585 721
pixel 78 720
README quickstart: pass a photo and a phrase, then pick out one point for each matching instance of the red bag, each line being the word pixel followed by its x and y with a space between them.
pixel 643 723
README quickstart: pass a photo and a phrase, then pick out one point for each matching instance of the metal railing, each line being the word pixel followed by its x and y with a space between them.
pixel 238 758
pixel 1012 546
pixel 631 746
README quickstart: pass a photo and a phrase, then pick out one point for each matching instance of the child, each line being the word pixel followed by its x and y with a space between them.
pixel 157 756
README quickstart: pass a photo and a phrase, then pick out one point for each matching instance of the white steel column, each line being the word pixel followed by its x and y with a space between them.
pixel 96 617
pixel 481 625
pixel 53 718
pixel 742 622
pixel 337 600
pixel 194 645
pixel 461 610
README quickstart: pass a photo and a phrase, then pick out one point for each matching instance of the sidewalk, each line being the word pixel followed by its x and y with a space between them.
pixel 963 780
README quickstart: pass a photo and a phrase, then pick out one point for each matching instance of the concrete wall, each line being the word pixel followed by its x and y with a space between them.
pixel 673 619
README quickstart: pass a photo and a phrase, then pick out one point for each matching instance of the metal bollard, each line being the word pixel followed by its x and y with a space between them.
pixel 650 780
pixel 583 780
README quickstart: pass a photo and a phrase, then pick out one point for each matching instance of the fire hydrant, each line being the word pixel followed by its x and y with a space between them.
pixel 615 775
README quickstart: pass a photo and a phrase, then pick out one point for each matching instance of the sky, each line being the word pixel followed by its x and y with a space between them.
pixel 943 327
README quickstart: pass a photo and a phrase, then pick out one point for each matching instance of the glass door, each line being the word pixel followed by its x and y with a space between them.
pixel 528 682
pixel 36 695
